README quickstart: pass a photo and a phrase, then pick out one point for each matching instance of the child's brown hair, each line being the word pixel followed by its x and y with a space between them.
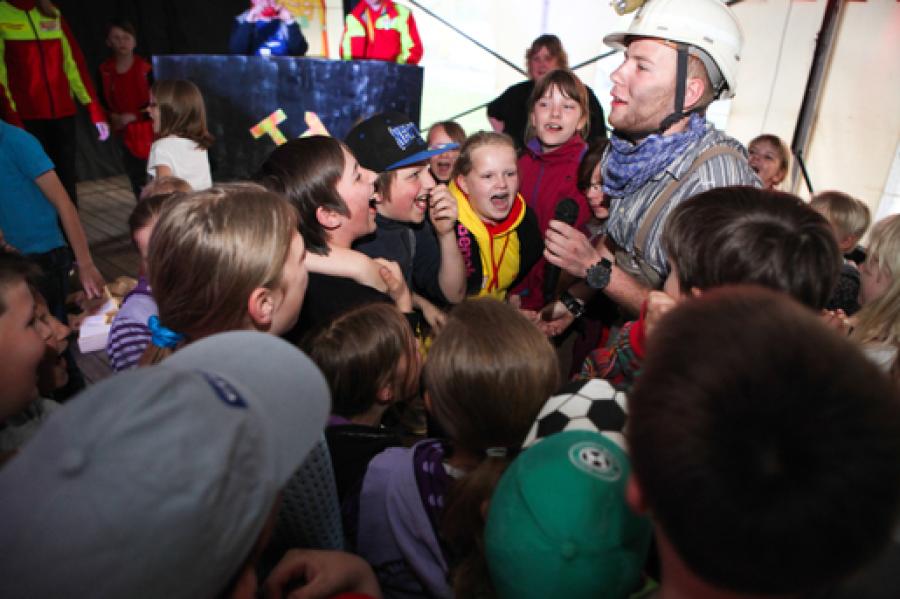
pixel 488 373
pixel 182 112
pixel 363 352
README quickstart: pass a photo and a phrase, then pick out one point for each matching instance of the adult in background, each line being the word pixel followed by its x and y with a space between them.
pixel 679 57
pixel 508 113
pixel 267 29
pixel 41 71
pixel 381 30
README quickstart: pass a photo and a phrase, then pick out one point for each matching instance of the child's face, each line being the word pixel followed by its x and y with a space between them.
pixel 153 111
pixel 442 164
pixel 492 183
pixel 53 373
pixel 873 281
pixel 357 188
pixel 289 297
pixel 765 161
pixel 555 118
pixel 597 200
pixel 409 193
pixel 22 347
pixel 142 241
pixel 120 41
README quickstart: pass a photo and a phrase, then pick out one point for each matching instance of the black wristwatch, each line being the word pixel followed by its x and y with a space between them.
pixel 598 275
pixel 572 304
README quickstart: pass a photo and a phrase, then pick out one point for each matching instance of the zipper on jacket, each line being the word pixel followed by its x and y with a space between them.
pixel 37 40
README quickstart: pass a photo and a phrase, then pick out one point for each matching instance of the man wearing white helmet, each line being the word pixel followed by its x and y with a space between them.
pixel 679 57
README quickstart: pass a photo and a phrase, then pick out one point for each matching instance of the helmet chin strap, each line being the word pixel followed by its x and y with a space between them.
pixel 680 82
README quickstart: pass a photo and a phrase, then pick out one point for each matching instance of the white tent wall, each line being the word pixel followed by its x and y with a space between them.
pixel 854 143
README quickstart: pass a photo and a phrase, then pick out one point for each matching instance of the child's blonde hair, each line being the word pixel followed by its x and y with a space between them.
pixel 209 251
pixel 879 319
pixel 849 217
pixel 488 373
pixel 181 111
pixel 165 186
pixel 463 164
pixel 571 87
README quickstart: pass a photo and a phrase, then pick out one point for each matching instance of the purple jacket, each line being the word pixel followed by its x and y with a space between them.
pixel 401 502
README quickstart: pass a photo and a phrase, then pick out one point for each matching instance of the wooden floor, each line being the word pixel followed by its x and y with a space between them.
pixel 104 206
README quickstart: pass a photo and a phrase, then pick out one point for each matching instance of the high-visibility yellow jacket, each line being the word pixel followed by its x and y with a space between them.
pixel 41 67
pixel 392 36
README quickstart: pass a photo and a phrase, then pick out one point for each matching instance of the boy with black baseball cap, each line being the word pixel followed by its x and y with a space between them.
pixel 425 248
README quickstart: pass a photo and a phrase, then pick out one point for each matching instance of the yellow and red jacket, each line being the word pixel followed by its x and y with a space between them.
pixel 41 67
pixel 391 36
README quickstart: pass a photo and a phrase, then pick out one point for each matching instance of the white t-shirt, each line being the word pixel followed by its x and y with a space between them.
pixel 186 159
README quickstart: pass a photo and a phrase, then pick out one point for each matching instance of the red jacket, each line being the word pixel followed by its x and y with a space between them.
pixel 393 37
pixel 544 180
pixel 129 93
pixel 41 67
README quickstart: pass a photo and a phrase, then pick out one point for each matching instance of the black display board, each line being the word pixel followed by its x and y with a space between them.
pixel 239 91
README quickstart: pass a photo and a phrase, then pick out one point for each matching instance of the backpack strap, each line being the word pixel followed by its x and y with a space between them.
pixel 663 198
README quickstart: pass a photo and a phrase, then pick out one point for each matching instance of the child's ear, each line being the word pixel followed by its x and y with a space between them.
pixel 260 307
pixel 461 183
pixel 634 496
pixel 328 218
pixel 696 292
pixel 379 199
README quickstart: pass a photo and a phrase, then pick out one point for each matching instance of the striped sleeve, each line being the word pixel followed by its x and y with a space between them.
pixel 126 344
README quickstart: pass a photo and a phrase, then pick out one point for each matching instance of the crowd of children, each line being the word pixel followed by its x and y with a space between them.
pixel 739 436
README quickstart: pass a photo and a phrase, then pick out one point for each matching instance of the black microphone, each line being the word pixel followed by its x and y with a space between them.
pixel 567 212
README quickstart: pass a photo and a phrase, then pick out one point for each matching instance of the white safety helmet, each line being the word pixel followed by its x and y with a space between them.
pixel 705 25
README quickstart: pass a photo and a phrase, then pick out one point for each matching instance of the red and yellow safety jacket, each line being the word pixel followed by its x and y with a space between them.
pixel 41 67
pixel 392 37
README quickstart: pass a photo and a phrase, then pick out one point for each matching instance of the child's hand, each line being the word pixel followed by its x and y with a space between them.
pixel 396 286
pixel 443 210
pixel 658 303
pixel 91 280
pixel 434 316
pixel 325 574
pixel 555 319
pixel 568 248
pixel 838 321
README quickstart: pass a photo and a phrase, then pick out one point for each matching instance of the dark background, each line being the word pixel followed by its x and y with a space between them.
pixel 163 27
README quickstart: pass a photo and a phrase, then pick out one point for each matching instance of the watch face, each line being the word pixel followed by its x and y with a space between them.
pixel 598 275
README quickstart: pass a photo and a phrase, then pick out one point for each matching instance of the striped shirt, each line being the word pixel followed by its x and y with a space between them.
pixel 626 214
pixel 129 334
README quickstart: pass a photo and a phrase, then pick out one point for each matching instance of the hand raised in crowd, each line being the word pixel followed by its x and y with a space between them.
pixel 569 249
pixel 443 211
pixel 326 574
pixel 396 286
pixel 658 303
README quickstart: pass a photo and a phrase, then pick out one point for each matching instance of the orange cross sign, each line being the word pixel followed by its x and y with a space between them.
pixel 269 125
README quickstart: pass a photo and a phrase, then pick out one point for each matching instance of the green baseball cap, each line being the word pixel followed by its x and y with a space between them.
pixel 559 526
